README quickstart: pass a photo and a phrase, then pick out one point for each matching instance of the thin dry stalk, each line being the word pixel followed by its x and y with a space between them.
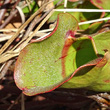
pixel 16 3
pixel 5 68
pixel 22 102
pixel 32 25
pixel 28 5
pixel 12 14
pixel 4 57
pixel 10 107
pixel 20 29
pixel 4 9
pixel 40 25
pixel 4 37
pixel 8 55
pixel 21 14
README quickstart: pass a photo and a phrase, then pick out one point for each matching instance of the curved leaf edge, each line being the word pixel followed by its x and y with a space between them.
pixel 103 13
pixel 54 30
pixel 97 61
pixel 71 33
pixel 91 63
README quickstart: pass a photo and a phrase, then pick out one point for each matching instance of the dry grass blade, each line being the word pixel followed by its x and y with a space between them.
pixel 22 27
pixel 28 5
pixel 21 14
pixel 3 9
pixel 22 102
pixel 32 25
pixel 6 56
pixel 4 37
pixel 15 51
pixel 30 37
pixel 5 68
pixel 8 30
pixel 40 25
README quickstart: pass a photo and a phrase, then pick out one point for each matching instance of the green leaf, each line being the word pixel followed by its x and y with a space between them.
pixel 102 82
pixel 85 16
pixel 101 3
pixel 80 16
pixel 39 65
pixel 102 41
pixel 55 14
pixel 61 59
pixel 94 75
pixel 93 28
pixel 84 76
